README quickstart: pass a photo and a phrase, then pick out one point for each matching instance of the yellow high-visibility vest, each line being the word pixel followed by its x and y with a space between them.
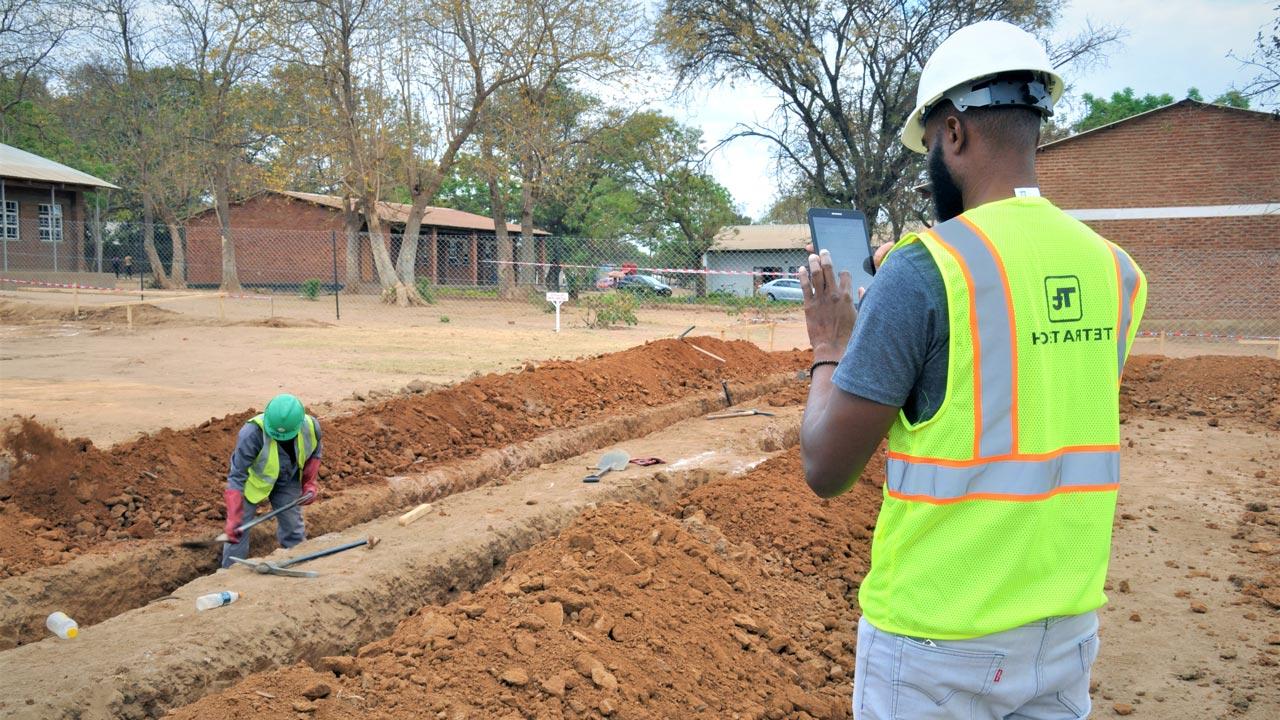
pixel 266 467
pixel 998 509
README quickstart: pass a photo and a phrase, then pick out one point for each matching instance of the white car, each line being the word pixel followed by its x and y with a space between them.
pixel 785 289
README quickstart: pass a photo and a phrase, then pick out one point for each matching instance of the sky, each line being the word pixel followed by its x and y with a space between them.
pixel 1171 45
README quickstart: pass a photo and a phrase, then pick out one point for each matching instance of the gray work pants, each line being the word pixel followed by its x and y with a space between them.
pixel 1039 671
pixel 289 528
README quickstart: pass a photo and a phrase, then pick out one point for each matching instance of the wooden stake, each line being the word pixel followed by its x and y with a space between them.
pixel 273 306
pixel 1161 342
pixel 708 354
pixel 414 514
pixel 75 301
pixel 128 315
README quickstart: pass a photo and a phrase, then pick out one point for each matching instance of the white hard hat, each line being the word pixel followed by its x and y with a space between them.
pixel 963 66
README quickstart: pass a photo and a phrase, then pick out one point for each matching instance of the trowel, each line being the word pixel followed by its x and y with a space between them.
pixel 612 460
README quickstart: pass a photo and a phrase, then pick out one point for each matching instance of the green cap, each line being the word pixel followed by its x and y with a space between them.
pixel 283 417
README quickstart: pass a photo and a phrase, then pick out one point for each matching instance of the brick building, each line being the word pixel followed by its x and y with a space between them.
pixel 283 238
pixel 1192 191
pixel 43 214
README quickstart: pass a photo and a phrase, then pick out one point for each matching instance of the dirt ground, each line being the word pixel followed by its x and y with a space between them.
pixel 737 600
pixel 740 600
pixel 182 364
pixel 191 359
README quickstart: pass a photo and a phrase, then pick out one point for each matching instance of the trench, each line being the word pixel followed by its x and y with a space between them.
pixel 95 587
pixel 149 659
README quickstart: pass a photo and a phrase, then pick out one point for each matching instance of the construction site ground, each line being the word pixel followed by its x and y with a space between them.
pixel 715 585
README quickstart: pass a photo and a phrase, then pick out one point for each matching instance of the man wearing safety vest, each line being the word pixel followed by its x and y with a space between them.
pixel 989 348
pixel 277 456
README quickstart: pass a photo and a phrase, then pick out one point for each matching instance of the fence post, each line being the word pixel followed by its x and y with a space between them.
pixel 337 307
pixel 142 291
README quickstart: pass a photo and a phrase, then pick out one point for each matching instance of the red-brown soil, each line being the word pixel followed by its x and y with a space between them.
pixel 1216 386
pixel 63 497
pixel 627 613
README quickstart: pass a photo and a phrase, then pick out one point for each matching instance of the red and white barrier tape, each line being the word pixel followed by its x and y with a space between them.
pixel 668 271
pixel 68 286
pixel 128 291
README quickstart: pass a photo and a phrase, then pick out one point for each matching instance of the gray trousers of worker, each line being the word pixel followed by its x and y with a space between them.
pixel 1039 671
pixel 289 527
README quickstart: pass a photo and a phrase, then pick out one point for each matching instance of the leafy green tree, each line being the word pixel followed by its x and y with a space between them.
pixel 1124 104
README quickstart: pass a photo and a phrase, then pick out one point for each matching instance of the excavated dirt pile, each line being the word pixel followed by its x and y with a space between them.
pixel 63 497
pixel 1216 386
pixel 734 604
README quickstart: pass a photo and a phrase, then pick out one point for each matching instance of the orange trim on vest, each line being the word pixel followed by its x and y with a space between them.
pixel 1006 497
pixel 977 341
pixel 1013 329
pixel 1025 457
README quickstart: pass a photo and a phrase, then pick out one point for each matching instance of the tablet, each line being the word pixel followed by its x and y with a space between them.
pixel 843 234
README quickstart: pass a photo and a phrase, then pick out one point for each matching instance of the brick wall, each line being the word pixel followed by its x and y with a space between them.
pixel 1188 154
pixel 29 252
pixel 1220 269
pixel 1203 273
pixel 277 239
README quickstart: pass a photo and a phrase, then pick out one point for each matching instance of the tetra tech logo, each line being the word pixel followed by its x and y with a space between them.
pixel 1062 298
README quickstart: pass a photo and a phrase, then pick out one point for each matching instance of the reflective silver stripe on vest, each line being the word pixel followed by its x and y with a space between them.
pixel 1128 284
pixel 1005 477
pixel 995 336
pixel 260 463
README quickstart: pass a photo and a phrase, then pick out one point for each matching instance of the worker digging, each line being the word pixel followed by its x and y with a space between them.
pixel 991 549
pixel 277 458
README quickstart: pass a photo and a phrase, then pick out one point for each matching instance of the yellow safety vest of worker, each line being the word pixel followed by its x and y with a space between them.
pixel 266 467
pixel 998 509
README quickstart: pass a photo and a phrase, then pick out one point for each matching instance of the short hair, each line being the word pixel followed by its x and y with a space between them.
pixel 1015 126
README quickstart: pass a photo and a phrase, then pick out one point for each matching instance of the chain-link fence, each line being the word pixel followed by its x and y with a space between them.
pixel 1227 296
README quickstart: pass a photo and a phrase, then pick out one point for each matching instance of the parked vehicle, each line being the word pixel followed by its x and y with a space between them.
pixel 782 289
pixel 643 285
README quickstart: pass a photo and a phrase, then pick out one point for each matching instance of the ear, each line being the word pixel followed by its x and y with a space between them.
pixel 955 138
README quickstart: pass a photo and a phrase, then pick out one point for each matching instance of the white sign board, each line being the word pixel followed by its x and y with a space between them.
pixel 556 298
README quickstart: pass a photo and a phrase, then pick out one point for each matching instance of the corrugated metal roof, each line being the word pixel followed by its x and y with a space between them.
pixel 761 237
pixel 22 165
pixel 399 213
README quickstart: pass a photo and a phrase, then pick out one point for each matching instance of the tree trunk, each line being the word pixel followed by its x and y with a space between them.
pixel 178 262
pixel 404 295
pixel 149 244
pixel 351 226
pixel 528 245
pixel 407 260
pixel 222 203
pixel 505 248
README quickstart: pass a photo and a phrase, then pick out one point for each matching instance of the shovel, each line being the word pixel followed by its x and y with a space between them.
pixel 222 537
pixel 612 460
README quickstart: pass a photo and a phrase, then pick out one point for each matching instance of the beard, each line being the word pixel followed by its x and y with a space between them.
pixel 948 199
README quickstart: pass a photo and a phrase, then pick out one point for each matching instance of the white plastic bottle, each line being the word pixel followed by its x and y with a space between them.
pixel 218 599
pixel 62 626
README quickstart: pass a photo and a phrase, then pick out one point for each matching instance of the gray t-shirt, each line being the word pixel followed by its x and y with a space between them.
pixel 898 353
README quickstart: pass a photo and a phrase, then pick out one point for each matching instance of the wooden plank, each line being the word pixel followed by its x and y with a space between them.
pixel 414 514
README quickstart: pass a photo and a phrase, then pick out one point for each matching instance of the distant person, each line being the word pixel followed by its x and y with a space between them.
pixel 128 266
pixel 277 457
pixel 115 266
pixel 989 349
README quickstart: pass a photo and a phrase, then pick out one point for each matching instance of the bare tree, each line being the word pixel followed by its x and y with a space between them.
pixel 30 32
pixel 1264 62
pixel 846 74
pixel 221 45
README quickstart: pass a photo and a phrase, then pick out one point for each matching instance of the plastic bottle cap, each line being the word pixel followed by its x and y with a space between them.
pixel 72 632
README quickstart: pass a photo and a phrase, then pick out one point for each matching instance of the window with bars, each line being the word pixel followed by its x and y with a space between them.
pixel 9 220
pixel 50 223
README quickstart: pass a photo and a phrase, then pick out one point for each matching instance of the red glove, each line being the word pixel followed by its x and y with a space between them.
pixel 310 474
pixel 235 514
